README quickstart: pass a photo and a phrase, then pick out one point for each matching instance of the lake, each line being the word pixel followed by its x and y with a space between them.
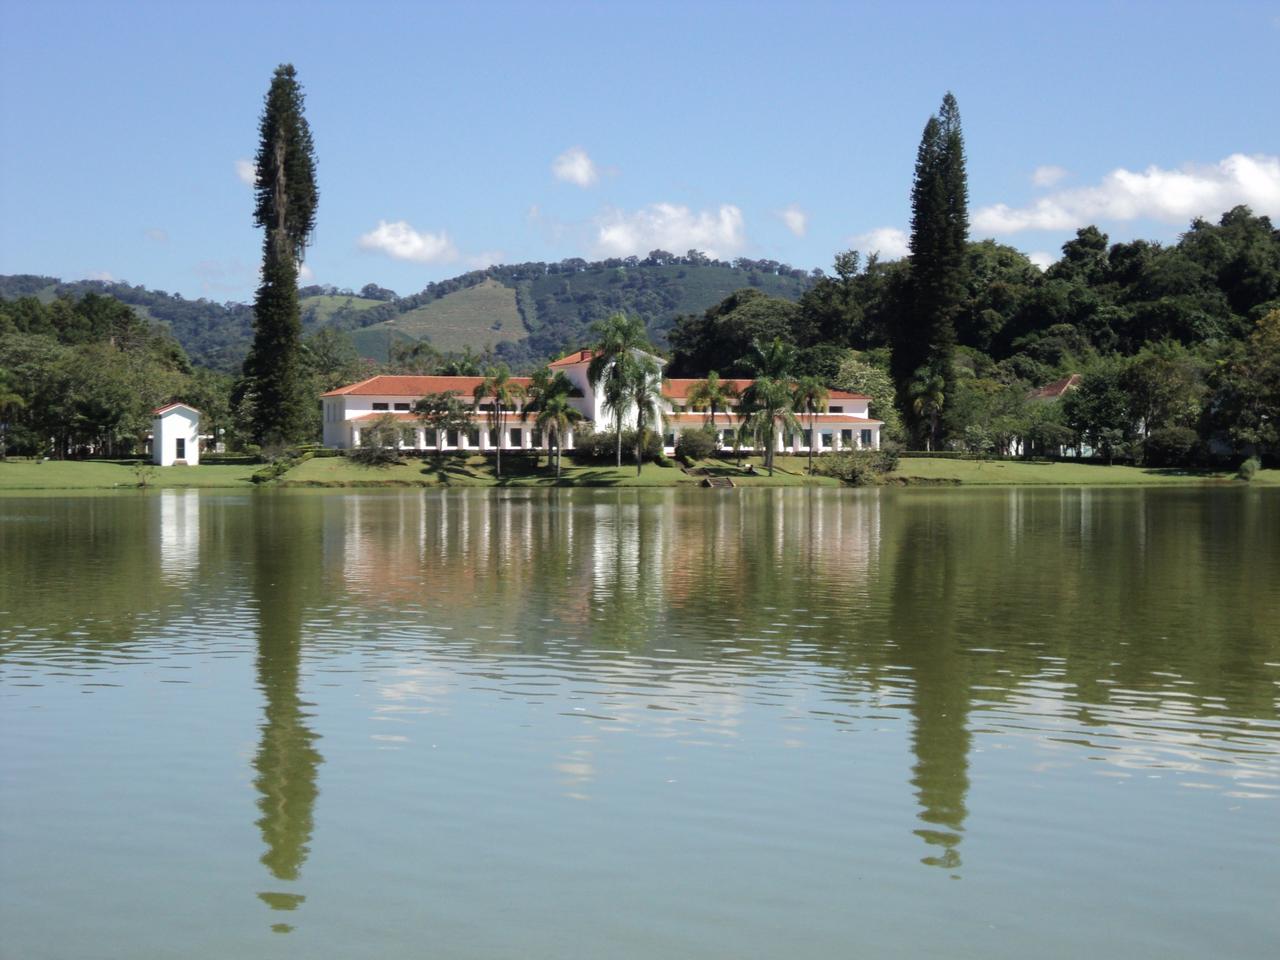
pixel 641 723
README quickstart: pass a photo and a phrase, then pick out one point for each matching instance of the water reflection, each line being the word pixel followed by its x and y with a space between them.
pixel 285 566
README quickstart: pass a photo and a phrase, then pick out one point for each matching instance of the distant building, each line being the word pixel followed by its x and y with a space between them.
pixel 1056 390
pixel 845 423
pixel 175 436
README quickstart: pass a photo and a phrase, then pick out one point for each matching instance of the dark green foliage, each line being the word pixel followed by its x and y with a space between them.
pixel 697 444
pixel 1170 447
pixel 924 337
pixel 601 446
pixel 721 338
pixel 286 196
pixel 1249 469
pixel 860 468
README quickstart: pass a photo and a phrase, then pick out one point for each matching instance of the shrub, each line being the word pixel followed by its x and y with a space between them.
pixel 1170 446
pixel 696 444
pixel 1249 469
pixel 379 444
pixel 602 446
pixel 862 468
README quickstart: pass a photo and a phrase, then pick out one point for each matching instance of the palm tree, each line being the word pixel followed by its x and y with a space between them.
pixel 556 417
pixel 712 394
pixel 620 338
pixel 928 396
pixel 505 394
pixel 809 396
pixel 644 390
pixel 766 406
pixel 776 361
pixel 544 387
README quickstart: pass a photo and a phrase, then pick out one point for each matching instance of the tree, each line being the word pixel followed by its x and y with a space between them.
pixel 442 412
pixel 644 391
pixel 9 403
pixel 619 339
pixel 712 394
pixel 505 396
pixel 809 396
pixel 925 335
pixel 379 443
pixel 766 403
pixel 285 208
pixel 556 417
pixel 928 392
pixel 858 376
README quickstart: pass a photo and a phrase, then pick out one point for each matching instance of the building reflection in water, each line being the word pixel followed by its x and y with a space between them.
pixel 285 580
pixel 179 534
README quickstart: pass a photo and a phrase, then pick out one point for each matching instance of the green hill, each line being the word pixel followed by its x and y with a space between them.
pixel 527 313
pixel 475 317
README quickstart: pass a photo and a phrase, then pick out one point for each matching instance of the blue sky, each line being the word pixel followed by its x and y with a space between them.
pixel 454 135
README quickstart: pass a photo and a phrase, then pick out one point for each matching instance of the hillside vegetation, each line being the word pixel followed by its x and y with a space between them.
pixel 527 313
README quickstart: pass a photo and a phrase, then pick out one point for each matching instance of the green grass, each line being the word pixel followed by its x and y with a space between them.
pixel 997 472
pixel 518 471
pixel 34 476
pixel 476 317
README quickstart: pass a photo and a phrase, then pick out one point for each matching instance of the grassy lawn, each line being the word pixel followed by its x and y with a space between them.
pixel 787 472
pixel 518 471
pixel 30 476
pixel 1017 473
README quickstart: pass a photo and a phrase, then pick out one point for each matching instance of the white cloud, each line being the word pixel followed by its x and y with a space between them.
pixel 400 241
pixel 247 172
pixel 796 220
pixel 102 275
pixel 158 234
pixel 890 242
pixel 1048 175
pixel 1171 196
pixel 574 166
pixel 1042 259
pixel 671 227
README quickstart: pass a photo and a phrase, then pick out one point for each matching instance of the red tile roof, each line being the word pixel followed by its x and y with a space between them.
pixel 678 389
pixel 1056 389
pixel 578 356
pixel 170 406
pixel 387 385
pixel 822 419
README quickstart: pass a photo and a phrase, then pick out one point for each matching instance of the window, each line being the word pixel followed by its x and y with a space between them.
pixel 517 437
pixel 402 406
pixel 380 406
pixel 826 439
pixel 808 438
pixel 866 438
pixel 835 409
pixel 846 438
pixel 727 438
pixel 452 437
pixel 429 437
pixel 473 438
pixel 493 438
pixel 669 440
pixel 410 437
pixel 537 437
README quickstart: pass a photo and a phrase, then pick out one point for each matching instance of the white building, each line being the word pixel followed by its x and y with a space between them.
pixel 844 424
pixel 175 436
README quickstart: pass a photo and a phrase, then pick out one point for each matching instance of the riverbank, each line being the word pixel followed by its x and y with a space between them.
pixel 28 477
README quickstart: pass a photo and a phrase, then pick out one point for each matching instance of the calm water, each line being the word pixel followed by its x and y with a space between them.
pixel 1006 723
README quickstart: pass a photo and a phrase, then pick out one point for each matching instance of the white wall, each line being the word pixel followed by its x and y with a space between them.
pixel 180 423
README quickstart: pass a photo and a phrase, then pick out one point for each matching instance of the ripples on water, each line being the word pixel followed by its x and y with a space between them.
pixel 639 723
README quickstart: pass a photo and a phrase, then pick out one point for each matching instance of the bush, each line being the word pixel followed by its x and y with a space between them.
pixel 1170 447
pixel 697 444
pixel 603 446
pixel 1249 469
pixel 862 468
pixel 279 467
pixel 379 444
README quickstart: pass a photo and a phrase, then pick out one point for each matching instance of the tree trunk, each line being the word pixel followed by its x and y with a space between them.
pixel 813 437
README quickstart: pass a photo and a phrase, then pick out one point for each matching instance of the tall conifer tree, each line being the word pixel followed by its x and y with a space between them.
pixel 924 339
pixel 286 196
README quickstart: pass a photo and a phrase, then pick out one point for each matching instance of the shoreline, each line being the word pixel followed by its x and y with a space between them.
pixel 70 477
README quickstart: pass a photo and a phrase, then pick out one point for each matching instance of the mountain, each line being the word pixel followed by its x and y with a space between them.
pixel 526 313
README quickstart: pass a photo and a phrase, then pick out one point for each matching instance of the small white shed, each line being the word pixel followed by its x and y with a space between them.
pixel 175 436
